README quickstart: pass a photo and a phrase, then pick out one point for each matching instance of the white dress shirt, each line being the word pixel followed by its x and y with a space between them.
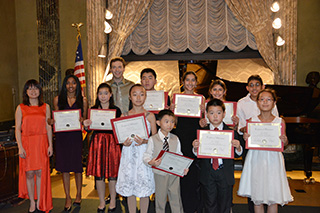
pixel 147 156
pixel 220 127
pixel 247 108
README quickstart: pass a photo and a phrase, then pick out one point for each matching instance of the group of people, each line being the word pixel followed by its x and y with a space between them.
pixel 207 184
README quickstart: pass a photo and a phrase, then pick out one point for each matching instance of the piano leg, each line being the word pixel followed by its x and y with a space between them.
pixel 308 155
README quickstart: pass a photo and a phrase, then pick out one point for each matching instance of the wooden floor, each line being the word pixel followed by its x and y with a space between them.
pixel 304 194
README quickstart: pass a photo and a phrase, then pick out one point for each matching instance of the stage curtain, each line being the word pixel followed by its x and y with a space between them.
pixel 256 16
pixel 95 66
pixel 126 17
pixel 188 24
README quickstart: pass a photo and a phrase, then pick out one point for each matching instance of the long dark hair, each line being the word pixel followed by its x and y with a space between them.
pixel 32 83
pixel 98 103
pixel 220 83
pixel 63 99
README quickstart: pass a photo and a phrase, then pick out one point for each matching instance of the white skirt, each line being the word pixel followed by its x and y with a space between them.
pixel 264 178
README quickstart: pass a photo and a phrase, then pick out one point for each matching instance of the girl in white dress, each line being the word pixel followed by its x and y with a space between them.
pixel 263 178
pixel 135 179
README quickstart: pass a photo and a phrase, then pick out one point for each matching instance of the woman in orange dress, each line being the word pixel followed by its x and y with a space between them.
pixel 34 138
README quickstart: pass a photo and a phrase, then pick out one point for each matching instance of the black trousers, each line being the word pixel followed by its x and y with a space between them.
pixel 217 193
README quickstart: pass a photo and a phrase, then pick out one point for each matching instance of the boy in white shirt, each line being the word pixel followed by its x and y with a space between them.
pixel 166 184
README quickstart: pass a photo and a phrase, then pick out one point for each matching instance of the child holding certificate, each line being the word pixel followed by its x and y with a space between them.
pixel 104 152
pixel 166 184
pixel 186 130
pixel 217 174
pixel 135 179
pixel 68 145
pixel 218 90
pixel 264 177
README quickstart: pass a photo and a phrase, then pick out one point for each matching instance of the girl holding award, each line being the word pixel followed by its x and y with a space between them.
pixel 218 90
pixel 264 177
pixel 104 152
pixel 186 130
pixel 69 144
pixel 135 179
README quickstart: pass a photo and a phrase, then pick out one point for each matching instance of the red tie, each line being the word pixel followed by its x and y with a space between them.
pixel 215 162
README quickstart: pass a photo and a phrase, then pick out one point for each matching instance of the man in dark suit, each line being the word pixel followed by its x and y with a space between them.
pixel 217 174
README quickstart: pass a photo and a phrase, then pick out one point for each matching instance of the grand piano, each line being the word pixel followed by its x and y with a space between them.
pixel 296 104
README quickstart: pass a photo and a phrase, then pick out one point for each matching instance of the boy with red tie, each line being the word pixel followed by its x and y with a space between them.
pixel 217 174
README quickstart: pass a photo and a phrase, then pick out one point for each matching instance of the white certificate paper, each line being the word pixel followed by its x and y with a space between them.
pixel 101 118
pixel 187 105
pixel 215 144
pixel 129 127
pixel 66 120
pixel 173 163
pixel 231 108
pixel 230 111
pixel 155 101
pixel 264 136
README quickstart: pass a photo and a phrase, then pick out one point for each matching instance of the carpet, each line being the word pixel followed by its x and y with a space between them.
pixel 90 205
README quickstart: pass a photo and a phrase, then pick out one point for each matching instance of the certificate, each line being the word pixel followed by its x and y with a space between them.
pixel 156 101
pixel 173 163
pixel 66 120
pixel 264 136
pixel 101 118
pixel 215 144
pixel 129 127
pixel 231 109
pixel 187 105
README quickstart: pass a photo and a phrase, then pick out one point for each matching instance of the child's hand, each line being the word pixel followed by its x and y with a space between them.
pixel 195 144
pixel 127 142
pixel 203 107
pixel 284 139
pixel 155 162
pixel 235 143
pixel 139 140
pixel 87 122
pixel 235 120
pixel 185 172
pixel 246 136
pixel 243 129
pixel 203 122
pixel 172 107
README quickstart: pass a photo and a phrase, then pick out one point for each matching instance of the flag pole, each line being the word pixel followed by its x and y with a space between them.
pixel 78 37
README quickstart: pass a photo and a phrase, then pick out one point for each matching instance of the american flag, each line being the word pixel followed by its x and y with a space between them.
pixel 79 65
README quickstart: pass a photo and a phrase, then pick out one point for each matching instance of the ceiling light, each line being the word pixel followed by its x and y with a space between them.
pixel 275 7
pixel 109 15
pixel 276 24
pixel 280 41
pixel 103 51
pixel 107 28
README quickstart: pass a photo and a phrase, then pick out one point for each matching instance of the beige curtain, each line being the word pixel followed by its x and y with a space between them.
pixel 196 25
pixel 95 38
pixel 256 16
pixel 126 17
pixel 286 55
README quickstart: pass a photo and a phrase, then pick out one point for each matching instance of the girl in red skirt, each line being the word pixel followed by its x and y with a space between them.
pixel 104 152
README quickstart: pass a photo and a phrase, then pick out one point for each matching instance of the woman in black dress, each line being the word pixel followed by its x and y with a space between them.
pixel 68 145
pixel 186 130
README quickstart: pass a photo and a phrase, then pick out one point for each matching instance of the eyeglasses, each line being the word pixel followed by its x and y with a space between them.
pixel 254 85
pixel 266 99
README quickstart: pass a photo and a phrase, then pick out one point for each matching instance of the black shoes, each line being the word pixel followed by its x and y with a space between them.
pixel 67 209
pixel 101 210
pixel 77 204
